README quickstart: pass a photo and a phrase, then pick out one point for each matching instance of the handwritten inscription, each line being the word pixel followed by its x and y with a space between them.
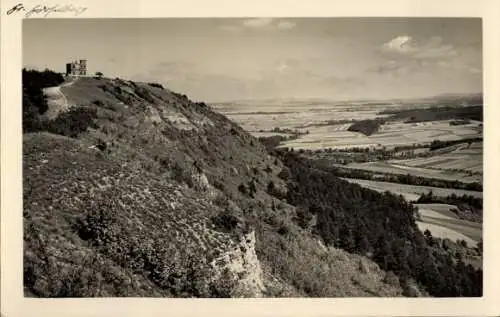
pixel 45 10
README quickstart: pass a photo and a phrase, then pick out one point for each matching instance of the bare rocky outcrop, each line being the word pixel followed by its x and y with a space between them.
pixel 239 269
pixel 201 183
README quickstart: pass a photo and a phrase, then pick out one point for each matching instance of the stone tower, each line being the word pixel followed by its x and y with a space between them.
pixel 77 68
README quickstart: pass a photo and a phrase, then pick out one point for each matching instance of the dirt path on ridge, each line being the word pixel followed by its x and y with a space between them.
pixel 56 100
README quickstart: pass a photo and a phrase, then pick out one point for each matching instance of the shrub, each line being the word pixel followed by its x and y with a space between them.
pixel 156 85
pixel 283 230
pixel 179 173
pixel 391 279
pixel 31 116
pixel 226 222
pixel 224 286
pixel 480 246
pixel 252 188
pixel 270 187
pixel 144 94
pixel 221 200
pixel 284 174
pixel 303 218
pixel 101 145
pixel 96 226
pixel 219 185
pixel 72 123
pixel 243 189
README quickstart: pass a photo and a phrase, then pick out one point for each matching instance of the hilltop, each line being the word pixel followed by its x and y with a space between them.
pixel 135 190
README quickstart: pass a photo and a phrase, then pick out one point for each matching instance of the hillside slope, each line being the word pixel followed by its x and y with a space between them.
pixel 162 196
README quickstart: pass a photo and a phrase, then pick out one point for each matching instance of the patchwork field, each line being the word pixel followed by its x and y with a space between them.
pixel 399 167
pixel 295 114
pixel 390 135
pixel 319 119
pixel 411 192
pixel 461 157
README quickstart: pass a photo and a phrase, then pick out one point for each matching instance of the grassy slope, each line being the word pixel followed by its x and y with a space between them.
pixel 66 183
pixel 123 222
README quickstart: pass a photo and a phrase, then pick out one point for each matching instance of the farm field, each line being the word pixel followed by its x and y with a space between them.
pixel 462 157
pixel 442 232
pixel 269 134
pixel 316 117
pixel 440 215
pixel 390 135
pixel 472 230
pixel 265 115
pixel 411 192
pixel 402 167
pixel 442 211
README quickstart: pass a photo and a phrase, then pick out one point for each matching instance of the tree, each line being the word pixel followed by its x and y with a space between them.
pixel 428 237
pixel 252 188
pixel 364 245
pixel 99 75
pixel 243 189
pixel 480 246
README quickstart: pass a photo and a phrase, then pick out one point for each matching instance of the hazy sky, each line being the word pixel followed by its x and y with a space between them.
pixel 227 59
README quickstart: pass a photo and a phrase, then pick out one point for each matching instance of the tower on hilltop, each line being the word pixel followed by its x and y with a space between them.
pixel 77 68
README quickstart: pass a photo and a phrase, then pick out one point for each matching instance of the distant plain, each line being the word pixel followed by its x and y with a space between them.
pixel 318 124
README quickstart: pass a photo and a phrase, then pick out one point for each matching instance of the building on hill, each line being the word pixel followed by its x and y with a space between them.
pixel 77 68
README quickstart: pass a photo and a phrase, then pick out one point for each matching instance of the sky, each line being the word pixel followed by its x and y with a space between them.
pixel 228 59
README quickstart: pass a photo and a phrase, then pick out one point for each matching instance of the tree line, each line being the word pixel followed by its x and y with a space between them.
pixel 71 123
pixel 34 101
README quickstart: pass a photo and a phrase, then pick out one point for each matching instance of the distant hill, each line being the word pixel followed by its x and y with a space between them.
pixel 436 113
pixel 472 99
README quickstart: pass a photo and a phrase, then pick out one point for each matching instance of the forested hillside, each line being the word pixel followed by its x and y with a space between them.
pixel 381 226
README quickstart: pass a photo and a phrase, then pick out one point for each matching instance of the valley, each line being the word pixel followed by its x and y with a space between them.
pixel 401 146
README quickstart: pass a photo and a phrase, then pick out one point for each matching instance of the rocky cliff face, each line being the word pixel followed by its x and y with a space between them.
pixel 241 268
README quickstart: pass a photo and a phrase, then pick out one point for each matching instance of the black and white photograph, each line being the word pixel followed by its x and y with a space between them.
pixel 259 157
pixel 249 162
